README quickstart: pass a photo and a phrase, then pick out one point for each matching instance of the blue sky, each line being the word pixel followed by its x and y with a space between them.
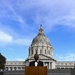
pixel 20 22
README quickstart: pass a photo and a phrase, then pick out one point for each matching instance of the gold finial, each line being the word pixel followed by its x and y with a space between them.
pixel 41 30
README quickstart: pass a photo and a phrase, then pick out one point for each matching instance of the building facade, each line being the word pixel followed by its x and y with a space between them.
pixel 41 45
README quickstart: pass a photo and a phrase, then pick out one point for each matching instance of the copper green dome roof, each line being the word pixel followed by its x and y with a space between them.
pixel 41 38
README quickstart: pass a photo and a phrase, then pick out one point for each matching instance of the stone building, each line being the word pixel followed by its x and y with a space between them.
pixel 41 45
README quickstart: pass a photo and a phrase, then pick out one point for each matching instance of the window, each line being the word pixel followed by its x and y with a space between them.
pixel 48 52
pixel 40 51
pixel 45 51
pixel 36 51
pixel 11 68
pixel 62 68
pixel 14 68
pixel 10 63
pixel 66 68
pixel 22 67
pixel 19 67
pixel 7 68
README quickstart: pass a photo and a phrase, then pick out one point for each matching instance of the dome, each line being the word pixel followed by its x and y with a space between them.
pixel 41 38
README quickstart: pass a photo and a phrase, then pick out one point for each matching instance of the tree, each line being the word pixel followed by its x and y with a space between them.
pixel 2 62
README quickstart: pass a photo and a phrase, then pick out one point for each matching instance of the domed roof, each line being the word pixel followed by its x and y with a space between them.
pixel 41 38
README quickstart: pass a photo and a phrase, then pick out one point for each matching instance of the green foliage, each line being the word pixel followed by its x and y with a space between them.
pixel 2 61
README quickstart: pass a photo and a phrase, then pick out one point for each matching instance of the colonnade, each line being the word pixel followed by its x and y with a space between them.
pixel 14 68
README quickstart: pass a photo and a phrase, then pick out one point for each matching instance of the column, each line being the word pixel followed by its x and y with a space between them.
pixel 29 51
pixel 12 68
pixel 33 50
pixel 44 63
pixel 8 68
pixel 21 68
pixel 50 65
pixel 16 68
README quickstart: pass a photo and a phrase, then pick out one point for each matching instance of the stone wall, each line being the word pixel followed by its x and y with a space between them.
pixel 19 72
pixel 50 72
pixel 59 72
pixel 1 73
pixel 73 72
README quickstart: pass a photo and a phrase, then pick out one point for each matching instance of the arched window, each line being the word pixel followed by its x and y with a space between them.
pixel 19 68
pixel 11 68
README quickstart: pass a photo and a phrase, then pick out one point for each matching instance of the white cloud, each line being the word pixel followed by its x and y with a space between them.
pixel 21 41
pixel 49 12
pixel 4 37
pixel 17 18
pixel 67 57
pixel 66 20
pixel 8 7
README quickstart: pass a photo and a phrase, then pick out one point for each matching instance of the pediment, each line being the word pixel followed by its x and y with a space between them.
pixel 42 56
